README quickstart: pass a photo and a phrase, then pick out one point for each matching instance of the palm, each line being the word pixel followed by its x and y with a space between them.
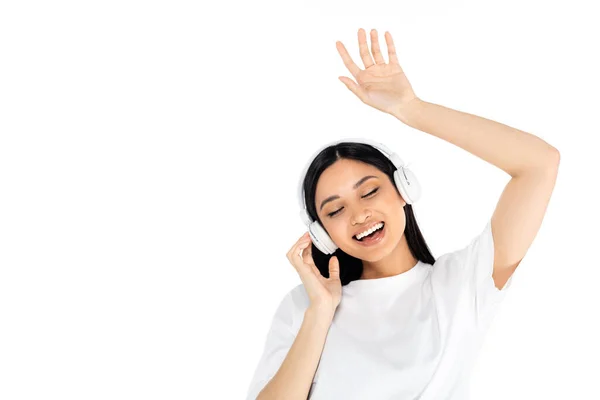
pixel 381 85
pixel 329 288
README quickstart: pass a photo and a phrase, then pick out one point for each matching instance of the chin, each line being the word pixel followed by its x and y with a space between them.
pixel 374 255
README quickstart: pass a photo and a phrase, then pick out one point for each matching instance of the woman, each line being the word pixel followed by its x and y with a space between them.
pixel 380 318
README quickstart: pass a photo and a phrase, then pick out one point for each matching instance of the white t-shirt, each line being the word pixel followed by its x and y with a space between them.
pixel 414 335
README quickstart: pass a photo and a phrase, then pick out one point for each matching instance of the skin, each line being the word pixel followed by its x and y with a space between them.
pixel 392 255
pixel 531 162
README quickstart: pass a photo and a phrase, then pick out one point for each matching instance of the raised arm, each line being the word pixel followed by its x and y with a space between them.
pixel 530 161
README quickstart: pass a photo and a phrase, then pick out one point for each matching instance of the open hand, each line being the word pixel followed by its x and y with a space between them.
pixel 380 85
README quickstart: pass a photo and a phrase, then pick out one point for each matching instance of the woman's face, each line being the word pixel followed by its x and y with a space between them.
pixel 357 208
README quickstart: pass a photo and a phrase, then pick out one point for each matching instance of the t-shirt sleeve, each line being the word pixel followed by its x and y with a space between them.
pixel 280 338
pixel 476 264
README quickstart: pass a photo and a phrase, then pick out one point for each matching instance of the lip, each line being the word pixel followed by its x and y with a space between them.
pixel 376 241
pixel 367 228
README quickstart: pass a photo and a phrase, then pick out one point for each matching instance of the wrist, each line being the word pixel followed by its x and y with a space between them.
pixel 321 312
pixel 407 110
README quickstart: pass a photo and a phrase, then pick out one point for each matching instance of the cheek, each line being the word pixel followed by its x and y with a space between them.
pixel 336 229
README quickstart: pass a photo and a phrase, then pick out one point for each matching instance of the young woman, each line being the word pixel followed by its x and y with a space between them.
pixel 376 316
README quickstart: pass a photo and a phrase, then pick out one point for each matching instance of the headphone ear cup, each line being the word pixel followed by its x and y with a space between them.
pixel 407 184
pixel 321 238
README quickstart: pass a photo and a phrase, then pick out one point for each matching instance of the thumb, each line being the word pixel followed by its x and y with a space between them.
pixel 354 88
pixel 334 268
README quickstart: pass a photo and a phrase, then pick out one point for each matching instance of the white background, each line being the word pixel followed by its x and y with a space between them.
pixel 149 159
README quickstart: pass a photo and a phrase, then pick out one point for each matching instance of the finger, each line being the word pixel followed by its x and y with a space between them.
pixel 353 87
pixel 364 49
pixel 391 48
pixel 375 47
pixel 294 249
pixel 296 255
pixel 304 238
pixel 308 260
pixel 307 255
pixel 302 244
pixel 334 267
pixel 352 67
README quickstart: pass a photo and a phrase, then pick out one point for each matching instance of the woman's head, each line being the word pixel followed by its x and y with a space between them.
pixel 347 188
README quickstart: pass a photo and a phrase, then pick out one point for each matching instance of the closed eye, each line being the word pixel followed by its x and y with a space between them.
pixel 366 195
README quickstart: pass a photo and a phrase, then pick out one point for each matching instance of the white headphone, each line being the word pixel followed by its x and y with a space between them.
pixel 405 181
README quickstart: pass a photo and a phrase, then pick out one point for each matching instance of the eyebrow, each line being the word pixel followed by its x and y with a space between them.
pixel 356 185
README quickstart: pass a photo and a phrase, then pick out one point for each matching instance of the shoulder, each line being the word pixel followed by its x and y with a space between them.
pixel 476 250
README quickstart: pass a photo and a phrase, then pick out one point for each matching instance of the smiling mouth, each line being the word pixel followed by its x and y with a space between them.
pixel 371 235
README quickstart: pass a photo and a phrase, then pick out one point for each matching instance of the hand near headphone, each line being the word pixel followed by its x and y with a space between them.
pixel 324 293
pixel 380 85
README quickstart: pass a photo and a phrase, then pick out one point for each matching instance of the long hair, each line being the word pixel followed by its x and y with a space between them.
pixel 351 268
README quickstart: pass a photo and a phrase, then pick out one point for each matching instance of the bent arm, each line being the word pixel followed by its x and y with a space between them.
pixel 530 161
pixel 294 378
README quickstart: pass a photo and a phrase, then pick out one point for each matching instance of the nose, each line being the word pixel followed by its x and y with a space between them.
pixel 360 216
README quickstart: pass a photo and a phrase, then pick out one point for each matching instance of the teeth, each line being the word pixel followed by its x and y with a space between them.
pixel 369 231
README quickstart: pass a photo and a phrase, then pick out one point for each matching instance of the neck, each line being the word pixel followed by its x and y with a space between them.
pixel 398 261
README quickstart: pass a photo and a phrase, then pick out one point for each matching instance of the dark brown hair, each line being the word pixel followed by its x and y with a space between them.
pixel 351 267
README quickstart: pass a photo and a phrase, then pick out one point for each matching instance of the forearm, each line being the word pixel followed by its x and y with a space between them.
pixel 509 149
pixel 294 377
